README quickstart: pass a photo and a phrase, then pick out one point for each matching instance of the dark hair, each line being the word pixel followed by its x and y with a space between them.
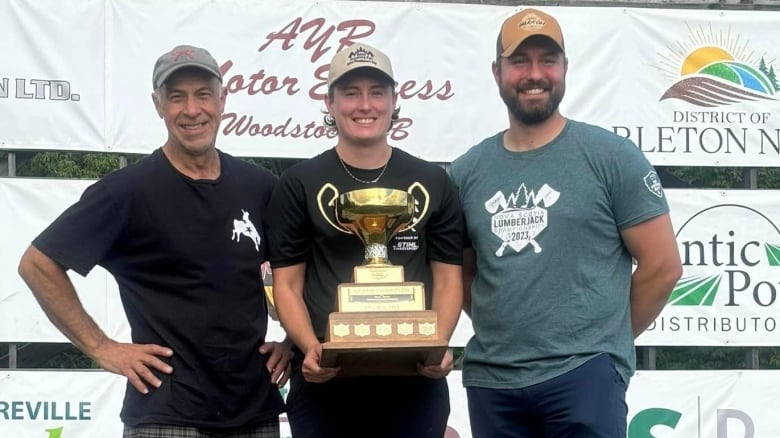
pixel 499 48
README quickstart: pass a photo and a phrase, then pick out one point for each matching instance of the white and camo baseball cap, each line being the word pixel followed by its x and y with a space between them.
pixel 357 56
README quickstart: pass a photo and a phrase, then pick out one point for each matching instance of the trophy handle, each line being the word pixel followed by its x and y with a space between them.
pixel 416 218
pixel 332 204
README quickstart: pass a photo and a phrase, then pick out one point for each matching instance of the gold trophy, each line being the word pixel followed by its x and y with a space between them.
pixel 381 325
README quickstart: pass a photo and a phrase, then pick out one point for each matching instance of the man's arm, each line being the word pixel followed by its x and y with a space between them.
pixel 652 243
pixel 469 273
pixel 295 319
pixel 56 295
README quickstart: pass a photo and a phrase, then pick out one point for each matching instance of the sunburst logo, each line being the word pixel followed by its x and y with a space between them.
pixel 713 69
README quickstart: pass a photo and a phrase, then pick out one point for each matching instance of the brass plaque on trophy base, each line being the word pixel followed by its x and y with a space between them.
pixel 381 297
pixel 380 326
pixel 378 274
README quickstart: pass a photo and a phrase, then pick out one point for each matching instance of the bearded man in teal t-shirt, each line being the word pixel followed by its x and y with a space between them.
pixel 556 211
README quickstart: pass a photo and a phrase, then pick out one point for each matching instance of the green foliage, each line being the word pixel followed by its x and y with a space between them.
pixel 708 358
pixel 68 165
pixel 274 165
pixel 726 177
pixel 457 357
pixel 769 358
pixel 96 165
pixel 82 165
pixel 71 358
pixel 699 358
pixel 710 177
pixel 768 178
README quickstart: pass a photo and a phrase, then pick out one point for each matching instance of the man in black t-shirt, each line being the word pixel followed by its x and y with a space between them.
pixel 310 256
pixel 181 233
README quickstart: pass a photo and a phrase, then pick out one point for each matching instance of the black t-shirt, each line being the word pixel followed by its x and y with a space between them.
pixel 186 255
pixel 303 227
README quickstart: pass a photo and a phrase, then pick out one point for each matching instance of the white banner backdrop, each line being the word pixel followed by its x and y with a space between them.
pixel 52 74
pixel 60 404
pixel 729 242
pixel 275 56
pixel 689 87
pixel 716 404
pixel 36 203
pixel 669 404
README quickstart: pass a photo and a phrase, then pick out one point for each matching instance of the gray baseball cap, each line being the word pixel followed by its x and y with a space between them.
pixel 180 57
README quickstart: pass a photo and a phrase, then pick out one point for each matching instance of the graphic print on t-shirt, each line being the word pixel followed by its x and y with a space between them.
pixel 519 218
pixel 246 228
pixel 653 183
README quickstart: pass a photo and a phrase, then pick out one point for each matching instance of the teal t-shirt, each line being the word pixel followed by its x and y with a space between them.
pixel 553 276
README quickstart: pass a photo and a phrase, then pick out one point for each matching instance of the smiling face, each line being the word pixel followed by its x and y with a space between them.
pixel 191 103
pixel 532 81
pixel 362 107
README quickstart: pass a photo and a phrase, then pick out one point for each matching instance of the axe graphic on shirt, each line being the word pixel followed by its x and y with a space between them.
pixel 499 204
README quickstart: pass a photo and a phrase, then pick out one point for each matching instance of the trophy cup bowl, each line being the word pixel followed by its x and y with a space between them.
pixel 375 215
pixel 380 325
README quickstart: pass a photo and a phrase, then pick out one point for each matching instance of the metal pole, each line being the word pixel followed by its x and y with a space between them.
pixel 11 164
pixel 751 359
pixel 12 355
pixel 750 179
pixel 651 358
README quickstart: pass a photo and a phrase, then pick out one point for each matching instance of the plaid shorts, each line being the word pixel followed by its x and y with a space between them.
pixel 269 429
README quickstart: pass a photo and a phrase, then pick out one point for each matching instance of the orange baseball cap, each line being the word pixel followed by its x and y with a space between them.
pixel 524 24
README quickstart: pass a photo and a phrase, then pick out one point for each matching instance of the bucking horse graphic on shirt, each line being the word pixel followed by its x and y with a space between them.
pixel 245 227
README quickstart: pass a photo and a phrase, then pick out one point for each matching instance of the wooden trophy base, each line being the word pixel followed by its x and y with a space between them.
pixel 382 343
pixel 364 359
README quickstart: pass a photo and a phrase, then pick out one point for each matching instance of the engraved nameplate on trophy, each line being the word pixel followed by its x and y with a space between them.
pixel 381 325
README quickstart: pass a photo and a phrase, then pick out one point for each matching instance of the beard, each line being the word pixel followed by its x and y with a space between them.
pixel 536 114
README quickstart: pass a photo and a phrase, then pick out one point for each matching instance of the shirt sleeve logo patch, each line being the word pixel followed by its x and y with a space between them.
pixel 653 184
